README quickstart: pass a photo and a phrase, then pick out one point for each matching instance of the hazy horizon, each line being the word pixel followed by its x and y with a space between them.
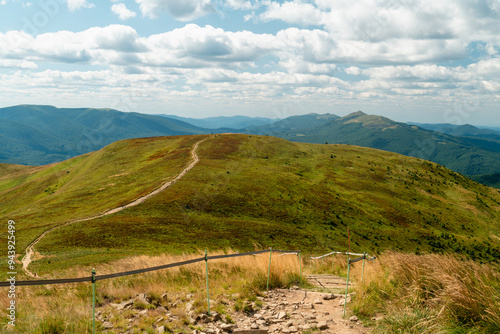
pixel 497 125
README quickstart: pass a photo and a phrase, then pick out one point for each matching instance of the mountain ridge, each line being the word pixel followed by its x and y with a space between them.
pixel 67 132
pixel 469 156
pixel 44 134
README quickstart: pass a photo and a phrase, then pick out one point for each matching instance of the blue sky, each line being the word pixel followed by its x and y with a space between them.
pixel 423 60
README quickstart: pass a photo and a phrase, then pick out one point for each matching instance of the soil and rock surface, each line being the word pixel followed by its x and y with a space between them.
pixel 277 311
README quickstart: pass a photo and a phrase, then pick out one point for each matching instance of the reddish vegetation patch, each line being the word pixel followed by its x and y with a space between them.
pixel 158 155
pixel 224 146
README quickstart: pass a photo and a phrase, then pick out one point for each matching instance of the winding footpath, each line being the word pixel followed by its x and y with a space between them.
pixel 30 250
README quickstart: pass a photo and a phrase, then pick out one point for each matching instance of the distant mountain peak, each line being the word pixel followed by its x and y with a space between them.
pixel 351 116
pixel 467 127
pixel 358 113
pixel 369 121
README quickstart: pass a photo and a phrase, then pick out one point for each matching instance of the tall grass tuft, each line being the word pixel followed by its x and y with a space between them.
pixel 430 293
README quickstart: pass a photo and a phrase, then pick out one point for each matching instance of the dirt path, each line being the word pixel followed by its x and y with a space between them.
pixel 297 310
pixel 30 250
pixel 306 310
pixel 279 311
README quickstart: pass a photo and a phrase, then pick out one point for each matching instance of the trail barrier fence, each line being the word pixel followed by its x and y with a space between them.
pixel 94 278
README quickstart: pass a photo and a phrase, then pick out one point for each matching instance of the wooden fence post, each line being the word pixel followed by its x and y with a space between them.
pixel 208 292
pixel 363 270
pixel 347 284
pixel 93 301
pixel 269 270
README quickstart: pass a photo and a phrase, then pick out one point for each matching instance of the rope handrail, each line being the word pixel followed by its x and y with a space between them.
pixel 131 272
pixel 331 253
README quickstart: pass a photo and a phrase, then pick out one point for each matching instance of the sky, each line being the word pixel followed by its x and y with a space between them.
pixel 422 61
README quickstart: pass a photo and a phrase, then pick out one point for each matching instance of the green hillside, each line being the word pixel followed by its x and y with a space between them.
pixel 465 155
pixel 38 135
pixel 247 191
pixel 293 123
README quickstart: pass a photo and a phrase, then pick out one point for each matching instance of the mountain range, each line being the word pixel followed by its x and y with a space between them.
pixel 476 154
pixel 38 135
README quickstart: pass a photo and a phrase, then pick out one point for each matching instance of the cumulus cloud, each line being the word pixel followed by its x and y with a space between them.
pixel 242 4
pixel 305 63
pixel 353 70
pixel 295 12
pixel 378 21
pixel 191 46
pixel 122 11
pixel 181 10
pixel 93 46
pixel 17 63
pixel 197 45
pixel 74 5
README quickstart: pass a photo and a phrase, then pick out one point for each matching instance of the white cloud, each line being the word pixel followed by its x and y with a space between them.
pixel 294 12
pixel 374 21
pixel 353 70
pixel 122 11
pixel 74 5
pixel 195 46
pixel 300 65
pixel 243 4
pixel 16 63
pixel 191 47
pixel 184 10
pixel 105 46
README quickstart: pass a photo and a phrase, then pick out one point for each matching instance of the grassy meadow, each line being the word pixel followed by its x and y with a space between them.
pixel 247 192
pixel 435 232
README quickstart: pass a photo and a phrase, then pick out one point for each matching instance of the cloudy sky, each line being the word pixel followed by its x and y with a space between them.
pixel 411 60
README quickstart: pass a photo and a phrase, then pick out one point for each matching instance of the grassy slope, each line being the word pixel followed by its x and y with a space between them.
pixel 90 184
pixel 256 190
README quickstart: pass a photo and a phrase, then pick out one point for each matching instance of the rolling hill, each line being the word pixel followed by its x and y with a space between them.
pixel 293 123
pixel 38 135
pixel 466 155
pixel 246 192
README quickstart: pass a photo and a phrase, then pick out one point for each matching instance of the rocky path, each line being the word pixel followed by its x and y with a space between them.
pixel 285 311
pixel 30 250
pixel 297 311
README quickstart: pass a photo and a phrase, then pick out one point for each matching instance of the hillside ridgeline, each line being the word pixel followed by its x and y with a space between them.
pixel 247 192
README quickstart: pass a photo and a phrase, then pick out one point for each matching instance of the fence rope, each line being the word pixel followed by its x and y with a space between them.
pixel 331 253
pixel 126 273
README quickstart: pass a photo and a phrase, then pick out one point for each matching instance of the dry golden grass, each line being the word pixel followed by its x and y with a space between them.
pixel 67 308
pixel 430 293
